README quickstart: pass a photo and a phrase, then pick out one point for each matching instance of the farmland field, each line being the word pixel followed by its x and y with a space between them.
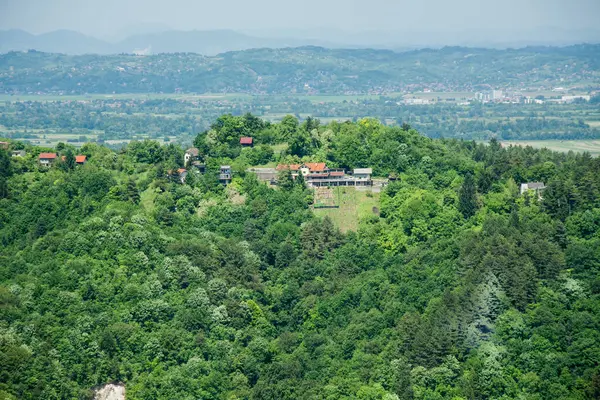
pixel 591 146
pixel 352 206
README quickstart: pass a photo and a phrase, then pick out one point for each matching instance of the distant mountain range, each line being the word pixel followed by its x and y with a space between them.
pixel 202 42
pixel 302 70
pixel 213 42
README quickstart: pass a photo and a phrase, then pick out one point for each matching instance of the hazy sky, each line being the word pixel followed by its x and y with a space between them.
pixel 109 17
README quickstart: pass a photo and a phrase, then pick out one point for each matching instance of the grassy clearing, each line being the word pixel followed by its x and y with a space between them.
pixel 580 146
pixel 279 148
pixel 147 198
pixel 353 205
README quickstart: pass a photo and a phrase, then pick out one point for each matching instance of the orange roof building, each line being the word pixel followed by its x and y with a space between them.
pixel 246 141
pixel 292 167
pixel 46 159
pixel 316 167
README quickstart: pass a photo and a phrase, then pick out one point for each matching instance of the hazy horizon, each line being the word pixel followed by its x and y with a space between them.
pixel 426 21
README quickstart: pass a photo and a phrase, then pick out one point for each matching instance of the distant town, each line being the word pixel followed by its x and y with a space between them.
pixel 557 95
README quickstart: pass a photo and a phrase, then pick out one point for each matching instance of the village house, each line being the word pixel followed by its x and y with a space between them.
pixel 79 159
pixel 177 175
pixel 537 187
pixel 362 173
pixel 182 174
pixel 46 159
pixel 318 174
pixel 225 175
pixel 246 141
pixel 18 153
pixel 4 145
pixel 265 174
pixel 199 167
pixel 190 155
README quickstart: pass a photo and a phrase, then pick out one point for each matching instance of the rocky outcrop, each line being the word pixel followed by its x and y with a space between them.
pixel 110 391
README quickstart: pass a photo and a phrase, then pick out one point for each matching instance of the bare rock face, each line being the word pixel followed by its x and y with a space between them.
pixel 110 391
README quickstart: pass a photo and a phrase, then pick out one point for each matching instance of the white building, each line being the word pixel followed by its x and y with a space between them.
pixel 362 173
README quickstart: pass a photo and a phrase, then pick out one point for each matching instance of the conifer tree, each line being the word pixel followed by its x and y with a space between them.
pixel 467 197
pixel 133 193
pixel 69 160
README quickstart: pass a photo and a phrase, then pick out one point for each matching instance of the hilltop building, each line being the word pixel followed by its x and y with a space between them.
pixel 246 142
pixel 182 172
pixel 199 167
pixel 46 159
pixel 190 155
pixel 537 187
pixel 225 175
pixel 318 175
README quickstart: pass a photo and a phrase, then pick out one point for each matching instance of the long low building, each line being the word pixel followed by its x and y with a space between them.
pixel 318 175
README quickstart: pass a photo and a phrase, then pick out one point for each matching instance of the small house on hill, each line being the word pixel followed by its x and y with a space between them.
pixel 191 154
pixel 199 167
pixel 79 159
pixel 225 175
pixel 362 173
pixel 46 159
pixel 535 186
pixel 246 141
pixel 182 174
pixel 18 153
pixel 4 145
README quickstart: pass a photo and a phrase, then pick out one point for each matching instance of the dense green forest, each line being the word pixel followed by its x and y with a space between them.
pixel 183 118
pixel 459 288
pixel 303 70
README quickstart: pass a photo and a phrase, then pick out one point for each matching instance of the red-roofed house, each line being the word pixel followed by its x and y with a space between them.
pixel 316 167
pixel 182 174
pixel 246 141
pixel 78 159
pixel 291 167
pixel 46 159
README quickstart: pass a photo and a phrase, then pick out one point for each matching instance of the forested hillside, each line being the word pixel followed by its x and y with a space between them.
pixel 302 70
pixel 459 287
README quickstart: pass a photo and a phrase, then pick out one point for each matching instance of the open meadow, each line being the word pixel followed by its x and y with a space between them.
pixel 346 206
pixel 591 146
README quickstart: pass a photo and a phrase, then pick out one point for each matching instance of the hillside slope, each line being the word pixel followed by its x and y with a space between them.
pixel 303 70
pixel 460 288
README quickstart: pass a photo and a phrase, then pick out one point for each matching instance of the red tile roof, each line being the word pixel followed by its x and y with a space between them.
pixel 337 173
pixel 193 151
pixel 181 170
pixel 293 167
pixel 316 167
pixel 80 159
pixel 50 156
pixel 246 140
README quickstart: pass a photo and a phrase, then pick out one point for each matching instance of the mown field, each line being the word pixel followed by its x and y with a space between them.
pixel 352 206
pixel 591 146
